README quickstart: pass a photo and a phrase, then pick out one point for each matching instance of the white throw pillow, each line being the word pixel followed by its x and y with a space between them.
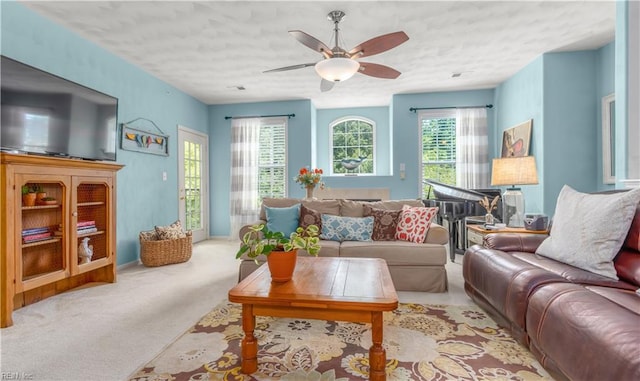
pixel 588 229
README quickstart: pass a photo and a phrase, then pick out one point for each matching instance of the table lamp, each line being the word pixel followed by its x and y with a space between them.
pixel 514 171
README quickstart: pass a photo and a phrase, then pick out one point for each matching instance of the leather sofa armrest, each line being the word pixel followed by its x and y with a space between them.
pixel 508 242
pixel 245 228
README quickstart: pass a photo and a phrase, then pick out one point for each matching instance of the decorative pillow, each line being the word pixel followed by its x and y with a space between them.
pixel 149 235
pixel 338 228
pixel 414 223
pixel 173 231
pixel 385 223
pixel 309 216
pixel 588 229
pixel 633 237
pixel 283 220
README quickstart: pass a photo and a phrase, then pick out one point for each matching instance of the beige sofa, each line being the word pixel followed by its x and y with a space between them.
pixel 413 266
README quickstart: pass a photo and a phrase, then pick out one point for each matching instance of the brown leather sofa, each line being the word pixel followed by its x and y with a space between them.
pixel 580 326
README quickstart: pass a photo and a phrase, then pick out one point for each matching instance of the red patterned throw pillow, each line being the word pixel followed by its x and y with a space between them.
pixel 414 223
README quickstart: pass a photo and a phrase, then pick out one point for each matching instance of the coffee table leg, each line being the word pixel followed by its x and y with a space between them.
pixel 377 354
pixel 249 342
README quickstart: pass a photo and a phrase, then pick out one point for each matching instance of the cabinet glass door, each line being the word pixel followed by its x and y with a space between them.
pixel 42 242
pixel 91 221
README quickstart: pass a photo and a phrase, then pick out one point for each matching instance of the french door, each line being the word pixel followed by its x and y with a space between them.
pixel 193 182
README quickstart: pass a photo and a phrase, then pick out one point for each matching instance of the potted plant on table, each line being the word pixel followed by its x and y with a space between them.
pixel 281 252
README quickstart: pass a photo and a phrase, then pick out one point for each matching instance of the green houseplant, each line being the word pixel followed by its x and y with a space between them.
pixel 281 252
pixel 28 195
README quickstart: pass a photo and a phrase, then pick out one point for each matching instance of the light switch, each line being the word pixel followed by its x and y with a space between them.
pixel 164 176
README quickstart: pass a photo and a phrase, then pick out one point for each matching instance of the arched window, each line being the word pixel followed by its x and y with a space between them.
pixel 352 146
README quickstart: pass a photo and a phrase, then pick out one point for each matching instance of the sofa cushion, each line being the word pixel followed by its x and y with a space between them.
pixel 173 231
pixel 285 220
pixel 395 204
pixel 397 253
pixel 322 206
pixel 350 208
pixel 589 229
pixel 414 223
pixel 338 228
pixel 310 216
pixel 567 323
pixel 385 223
pixel 570 273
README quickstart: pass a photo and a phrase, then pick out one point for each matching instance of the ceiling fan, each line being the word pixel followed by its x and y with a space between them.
pixel 339 64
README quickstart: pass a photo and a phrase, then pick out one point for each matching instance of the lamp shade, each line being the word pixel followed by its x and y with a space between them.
pixel 337 69
pixel 514 171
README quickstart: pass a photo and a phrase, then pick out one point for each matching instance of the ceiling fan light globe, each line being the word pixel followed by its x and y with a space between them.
pixel 337 69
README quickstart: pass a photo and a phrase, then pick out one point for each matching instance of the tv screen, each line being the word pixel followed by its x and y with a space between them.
pixel 46 114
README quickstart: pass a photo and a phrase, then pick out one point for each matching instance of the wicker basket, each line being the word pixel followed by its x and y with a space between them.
pixel 164 252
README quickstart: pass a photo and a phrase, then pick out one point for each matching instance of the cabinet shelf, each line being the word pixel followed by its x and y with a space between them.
pixel 93 203
pixel 38 243
pixel 90 234
pixel 40 207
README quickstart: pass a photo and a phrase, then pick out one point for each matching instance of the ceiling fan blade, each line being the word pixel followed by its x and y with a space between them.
pixel 379 44
pixel 378 71
pixel 311 42
pixel 293 67
pixel 326 85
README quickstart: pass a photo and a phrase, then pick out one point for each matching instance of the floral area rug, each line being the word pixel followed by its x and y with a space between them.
pixel 423 342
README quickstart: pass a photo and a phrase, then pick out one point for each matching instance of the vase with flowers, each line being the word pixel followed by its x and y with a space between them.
pixel 309 179
pixel 489 206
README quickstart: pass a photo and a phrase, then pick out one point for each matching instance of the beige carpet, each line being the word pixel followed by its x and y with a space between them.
pixel 423 342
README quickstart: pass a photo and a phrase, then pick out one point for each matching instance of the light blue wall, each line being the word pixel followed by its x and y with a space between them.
pixel 570 124
pixel 561 92
pixel 379 115
pixel 299 138
pixel 144 200
pixel 406 141
pixel 605 85
pixel 519 99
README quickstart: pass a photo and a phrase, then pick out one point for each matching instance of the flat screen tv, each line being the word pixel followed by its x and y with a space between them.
pixel 46 114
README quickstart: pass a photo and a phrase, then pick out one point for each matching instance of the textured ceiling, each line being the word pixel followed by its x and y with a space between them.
pixel 209 48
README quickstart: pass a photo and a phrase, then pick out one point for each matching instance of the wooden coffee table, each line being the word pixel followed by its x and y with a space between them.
pixel 344 289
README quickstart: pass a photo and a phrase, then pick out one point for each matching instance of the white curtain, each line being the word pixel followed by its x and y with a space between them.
pixel 472 148
pixel 244 205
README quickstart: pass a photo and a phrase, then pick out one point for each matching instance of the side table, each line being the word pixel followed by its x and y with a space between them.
pixel 476 233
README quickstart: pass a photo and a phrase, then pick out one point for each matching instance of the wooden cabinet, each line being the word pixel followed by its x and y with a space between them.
pixel 40 243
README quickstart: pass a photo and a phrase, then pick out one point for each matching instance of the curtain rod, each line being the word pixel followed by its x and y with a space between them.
pixel 414 109
pixel 259 116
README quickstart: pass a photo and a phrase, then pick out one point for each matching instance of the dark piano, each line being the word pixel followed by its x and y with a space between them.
pixel 457 208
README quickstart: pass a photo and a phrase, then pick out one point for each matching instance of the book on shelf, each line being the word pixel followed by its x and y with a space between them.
pixel 87 230
pixel 85 223
pixel 31 231
pixel 36 237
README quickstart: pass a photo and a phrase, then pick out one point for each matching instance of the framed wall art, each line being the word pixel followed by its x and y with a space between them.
pixel 142 140
pixel 516 140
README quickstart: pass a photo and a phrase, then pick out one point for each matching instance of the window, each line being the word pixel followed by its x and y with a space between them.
pixel 438 148
pixel 352 146
pixel 272 159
